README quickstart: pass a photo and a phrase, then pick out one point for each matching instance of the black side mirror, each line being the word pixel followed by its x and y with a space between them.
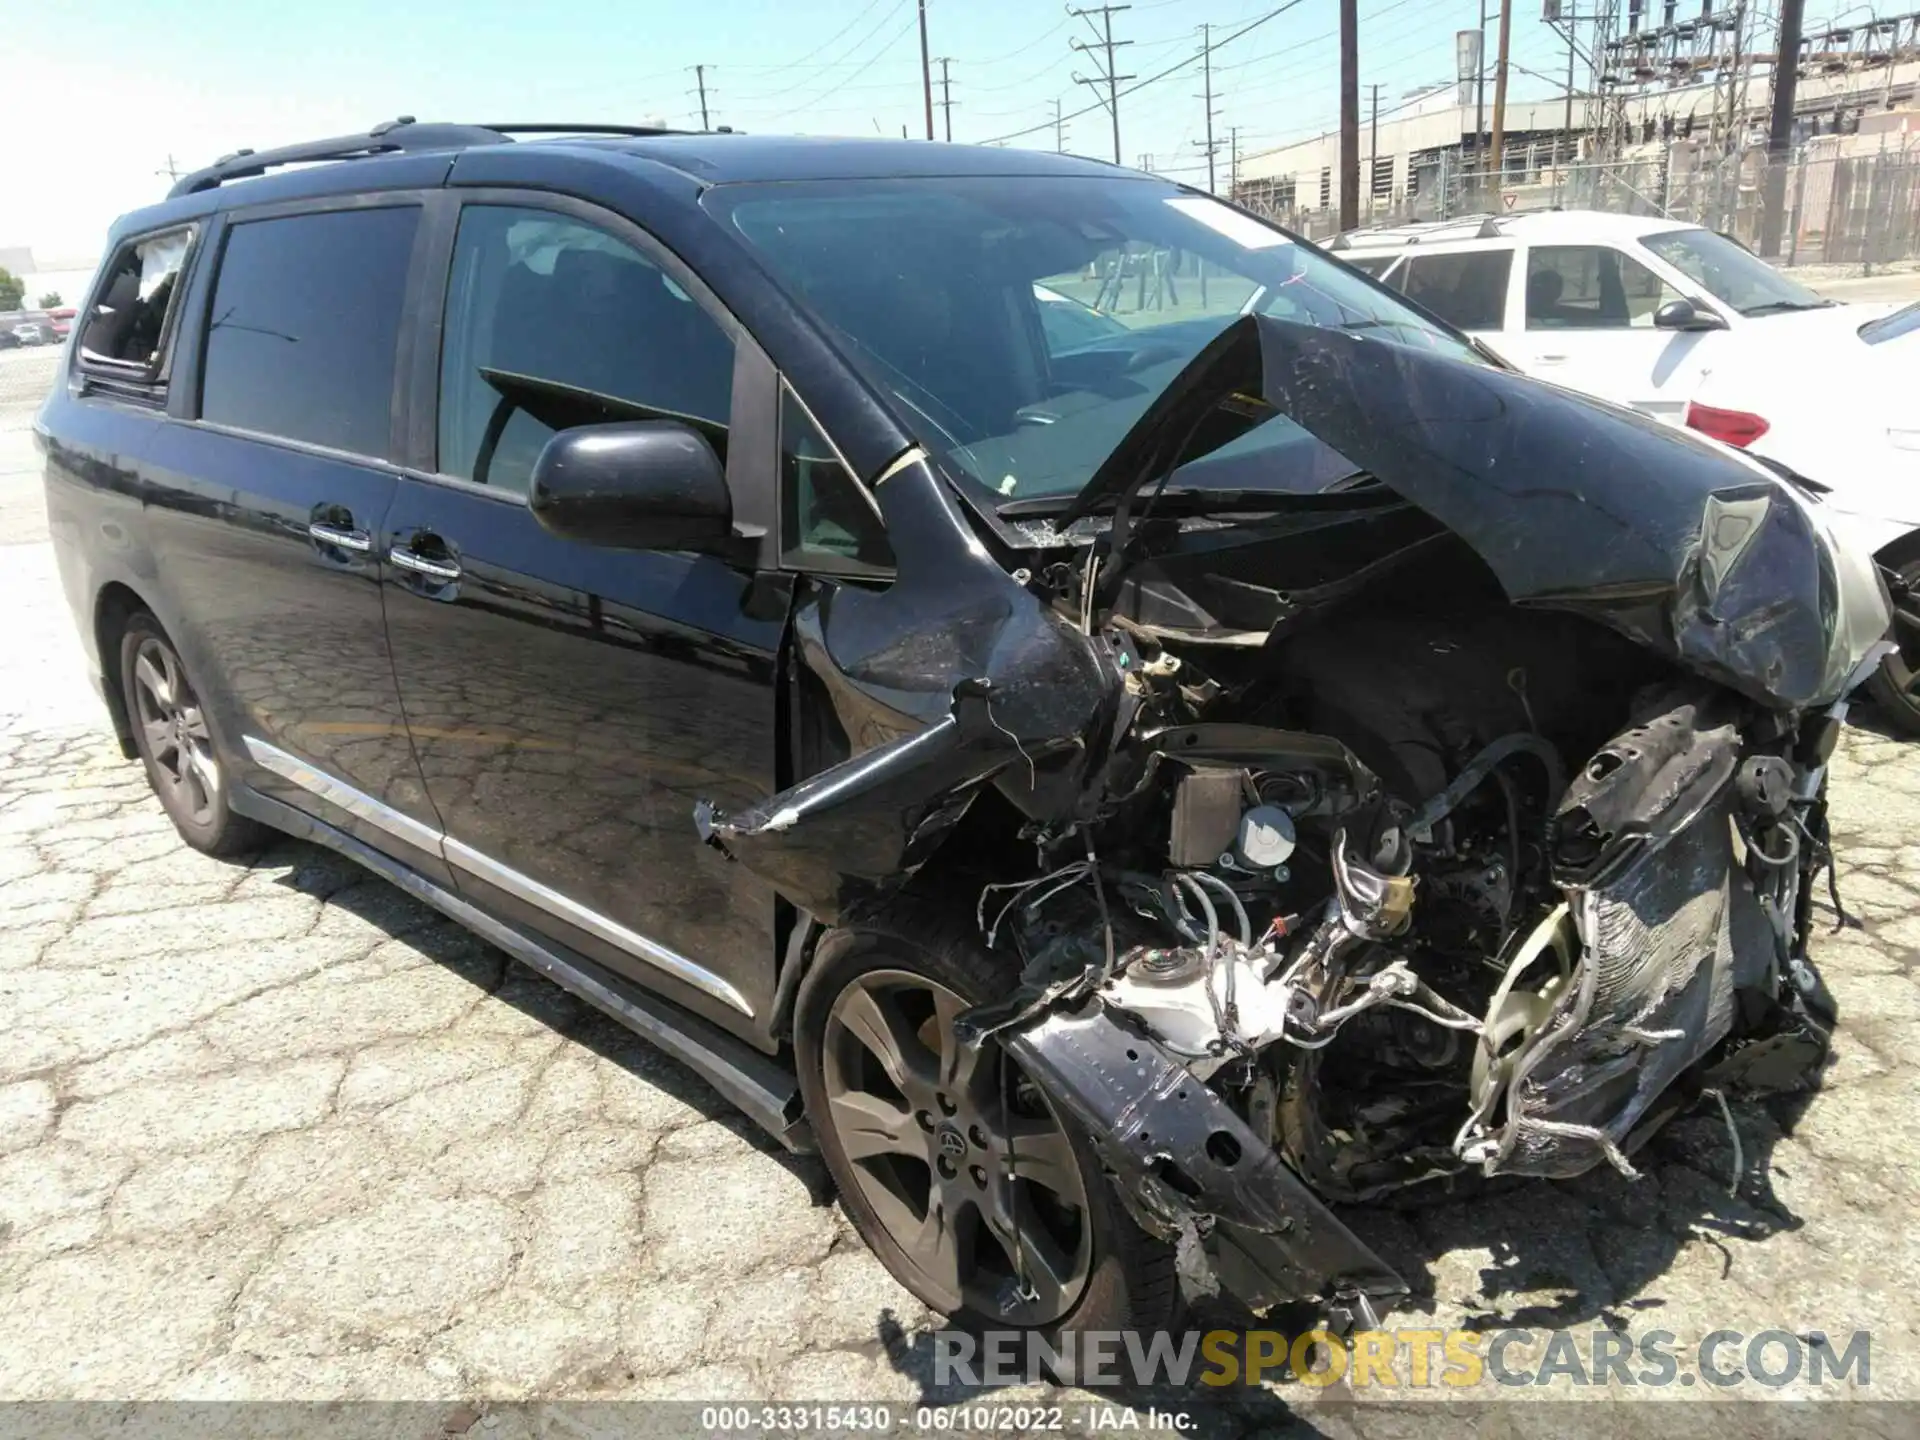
pixel 1685 315
pixel 633 485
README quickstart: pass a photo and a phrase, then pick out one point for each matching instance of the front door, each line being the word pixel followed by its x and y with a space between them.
pixel 1588 325
pixel 570 704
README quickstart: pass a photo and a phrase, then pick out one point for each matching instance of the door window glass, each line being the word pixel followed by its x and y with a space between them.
pixel 1590 287
pixel 826 519
pixel 128 325
pixel 1467 288
pixel 305 317
pixel 552 323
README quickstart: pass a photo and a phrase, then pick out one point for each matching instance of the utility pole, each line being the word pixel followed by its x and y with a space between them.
pixel 1233 173
pixel 1786 78
pixel 1480 91
pixel 171 169
pixel 1349 114
pixel 1206 98
pixel 926 69
pixel 1059 129
pixel 1103 37
pixel 1500 90
pixel 1566 125
pixel 1373 150
pixel 946 95
pixel 700 79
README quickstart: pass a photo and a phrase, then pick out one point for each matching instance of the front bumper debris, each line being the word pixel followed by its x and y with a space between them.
pixel 1185 1159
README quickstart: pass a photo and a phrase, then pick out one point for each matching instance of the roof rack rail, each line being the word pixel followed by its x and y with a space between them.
pixel 599 129
pixel 388 137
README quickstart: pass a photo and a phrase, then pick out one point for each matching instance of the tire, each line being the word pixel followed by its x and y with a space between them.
pixel 1895 686
pixel 171 733
pixel 1089 1266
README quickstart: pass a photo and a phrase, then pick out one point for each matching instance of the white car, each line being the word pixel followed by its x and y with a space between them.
pixel 1690 327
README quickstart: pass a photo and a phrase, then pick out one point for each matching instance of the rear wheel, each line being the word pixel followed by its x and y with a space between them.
pixel 973 1190
pixel 171 733
pixel 1895 686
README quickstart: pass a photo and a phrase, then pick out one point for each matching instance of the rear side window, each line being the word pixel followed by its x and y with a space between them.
pixel 1467 288
pixel 305 318
pixel 131 319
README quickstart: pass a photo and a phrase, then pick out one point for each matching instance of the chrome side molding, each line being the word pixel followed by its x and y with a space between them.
pixel 356 803
pixel 464 857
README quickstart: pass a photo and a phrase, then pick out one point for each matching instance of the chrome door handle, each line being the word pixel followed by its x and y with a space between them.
pixel 432 569
pixel 357 541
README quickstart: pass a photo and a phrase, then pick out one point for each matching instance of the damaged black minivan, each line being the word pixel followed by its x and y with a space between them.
pixel 1109 724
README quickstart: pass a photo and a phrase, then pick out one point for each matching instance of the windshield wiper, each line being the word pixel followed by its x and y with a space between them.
pixel 1781 307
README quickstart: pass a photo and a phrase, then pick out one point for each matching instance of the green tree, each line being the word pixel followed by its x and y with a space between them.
pixel 12 292
pixel 50 300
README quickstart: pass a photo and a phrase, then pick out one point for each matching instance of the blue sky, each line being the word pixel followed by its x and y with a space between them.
pixel 101 92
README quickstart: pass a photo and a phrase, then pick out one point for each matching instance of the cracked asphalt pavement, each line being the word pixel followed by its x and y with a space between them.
pixel 272 1129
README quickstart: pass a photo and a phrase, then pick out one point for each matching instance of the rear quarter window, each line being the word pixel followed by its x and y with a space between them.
pixel 1374 265
pixel 132 316
pixel 1467 288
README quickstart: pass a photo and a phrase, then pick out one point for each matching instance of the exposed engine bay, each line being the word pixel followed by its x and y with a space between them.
pixel 1462 822
pixel 1403 940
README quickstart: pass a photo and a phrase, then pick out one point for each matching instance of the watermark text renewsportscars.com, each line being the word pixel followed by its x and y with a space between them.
pixel 1410 1359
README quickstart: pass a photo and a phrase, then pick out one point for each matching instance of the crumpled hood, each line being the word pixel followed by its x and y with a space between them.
pixel 1570 502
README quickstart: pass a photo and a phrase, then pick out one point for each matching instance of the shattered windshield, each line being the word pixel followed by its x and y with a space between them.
pixel 951 293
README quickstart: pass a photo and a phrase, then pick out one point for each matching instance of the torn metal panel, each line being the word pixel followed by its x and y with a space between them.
pixel 953 677
pixel 1181 1151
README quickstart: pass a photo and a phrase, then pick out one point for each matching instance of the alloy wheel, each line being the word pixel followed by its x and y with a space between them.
pixel 1903 666
pixel 958 1154
pixel 174 728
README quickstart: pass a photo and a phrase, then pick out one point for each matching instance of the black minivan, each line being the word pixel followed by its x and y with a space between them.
pixel 1100 784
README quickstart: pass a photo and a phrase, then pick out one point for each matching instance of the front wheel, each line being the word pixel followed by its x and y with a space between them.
pixel 955 1168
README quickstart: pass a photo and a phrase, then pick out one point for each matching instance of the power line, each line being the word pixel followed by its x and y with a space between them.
pixel 836 87
pixel 1154 78
pixel 1284 138
pixel 812 79
pixel 821 48
pixel 1026 49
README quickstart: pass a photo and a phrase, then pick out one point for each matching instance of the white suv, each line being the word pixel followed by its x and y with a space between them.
pixel 1688 326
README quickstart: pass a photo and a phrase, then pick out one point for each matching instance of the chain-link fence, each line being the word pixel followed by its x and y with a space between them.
pixel 25 378
pixel 1836 209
